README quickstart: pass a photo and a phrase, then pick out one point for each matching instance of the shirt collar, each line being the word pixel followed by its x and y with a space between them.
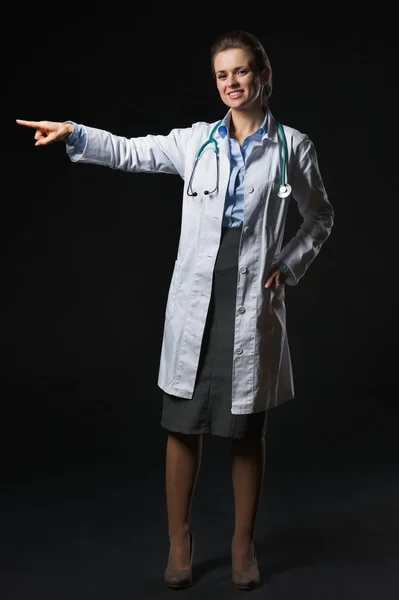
pixel 223 128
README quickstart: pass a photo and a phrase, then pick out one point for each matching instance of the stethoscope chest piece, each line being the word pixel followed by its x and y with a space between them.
pixel 284 190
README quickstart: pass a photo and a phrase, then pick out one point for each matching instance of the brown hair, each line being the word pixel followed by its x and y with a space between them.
pixel 250 43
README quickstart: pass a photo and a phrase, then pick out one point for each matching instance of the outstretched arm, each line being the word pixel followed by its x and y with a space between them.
pixel 148 154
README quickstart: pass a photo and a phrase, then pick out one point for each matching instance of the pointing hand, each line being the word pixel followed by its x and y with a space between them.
pixel 48 132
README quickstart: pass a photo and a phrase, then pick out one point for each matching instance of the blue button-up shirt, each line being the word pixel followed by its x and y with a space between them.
pixel 234 203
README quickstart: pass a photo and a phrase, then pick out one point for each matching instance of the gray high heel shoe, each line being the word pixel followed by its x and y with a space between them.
pixel 181 578
pixel 247 580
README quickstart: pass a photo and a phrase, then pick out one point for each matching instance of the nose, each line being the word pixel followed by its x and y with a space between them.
pixel 232 81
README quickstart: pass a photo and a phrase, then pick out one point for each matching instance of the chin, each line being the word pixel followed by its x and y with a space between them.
pixel 239 103
pixel 235 103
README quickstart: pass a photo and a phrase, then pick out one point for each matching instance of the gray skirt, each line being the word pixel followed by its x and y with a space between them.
pixel 209 410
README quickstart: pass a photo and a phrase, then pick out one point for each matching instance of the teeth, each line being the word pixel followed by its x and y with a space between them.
pixel 235 93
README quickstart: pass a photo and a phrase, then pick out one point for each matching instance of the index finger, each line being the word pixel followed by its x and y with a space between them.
pixel 33 124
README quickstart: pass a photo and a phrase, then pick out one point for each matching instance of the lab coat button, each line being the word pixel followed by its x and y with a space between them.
pixel 243 269
pixel 250 189
pixel 241 309
pixel 239 351
pixel 247 229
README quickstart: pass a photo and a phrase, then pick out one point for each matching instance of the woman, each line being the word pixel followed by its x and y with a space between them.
pixel 225 357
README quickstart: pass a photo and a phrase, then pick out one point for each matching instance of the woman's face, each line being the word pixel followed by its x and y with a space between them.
pixel 239 87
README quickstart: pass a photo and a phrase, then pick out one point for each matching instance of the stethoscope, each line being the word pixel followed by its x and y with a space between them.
pixel 284 189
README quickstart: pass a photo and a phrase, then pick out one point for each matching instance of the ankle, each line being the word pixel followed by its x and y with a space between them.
pixel 180 533
pixel 242 539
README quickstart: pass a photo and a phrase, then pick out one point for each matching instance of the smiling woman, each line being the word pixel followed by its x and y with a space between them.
pixel 225 358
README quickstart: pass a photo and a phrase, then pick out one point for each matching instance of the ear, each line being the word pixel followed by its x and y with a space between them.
pixel 266 76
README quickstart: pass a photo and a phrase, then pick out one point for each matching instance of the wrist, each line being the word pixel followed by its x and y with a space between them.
pixel 69 127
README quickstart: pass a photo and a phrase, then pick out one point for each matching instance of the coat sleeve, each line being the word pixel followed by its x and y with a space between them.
pixel 147 154
pixel 314 207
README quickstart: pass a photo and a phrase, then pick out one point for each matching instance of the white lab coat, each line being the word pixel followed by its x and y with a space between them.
pixel 262 373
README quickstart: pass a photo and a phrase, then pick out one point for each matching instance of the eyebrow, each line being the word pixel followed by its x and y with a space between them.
pixel 235 69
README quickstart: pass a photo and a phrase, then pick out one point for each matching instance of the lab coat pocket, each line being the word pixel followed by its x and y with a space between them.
pixel 273 307
pixel 173 288
pixel 277 292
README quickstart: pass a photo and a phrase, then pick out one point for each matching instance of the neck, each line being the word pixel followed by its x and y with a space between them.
pixel 244 123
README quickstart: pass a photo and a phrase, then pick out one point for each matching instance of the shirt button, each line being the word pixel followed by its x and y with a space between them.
pixel 239 351
pixel 243 269
pixel 247 229
pixel 250 189
pixel 241 309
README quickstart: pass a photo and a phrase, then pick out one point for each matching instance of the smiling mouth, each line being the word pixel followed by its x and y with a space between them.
pixel 235 94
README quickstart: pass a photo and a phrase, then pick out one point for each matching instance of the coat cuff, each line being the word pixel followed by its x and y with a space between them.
pixel 286 271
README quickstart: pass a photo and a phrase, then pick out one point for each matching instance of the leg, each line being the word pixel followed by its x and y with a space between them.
pixel 248 466
pixel 183 460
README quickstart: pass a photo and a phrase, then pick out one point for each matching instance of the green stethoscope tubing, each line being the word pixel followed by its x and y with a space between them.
pixel 284 189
